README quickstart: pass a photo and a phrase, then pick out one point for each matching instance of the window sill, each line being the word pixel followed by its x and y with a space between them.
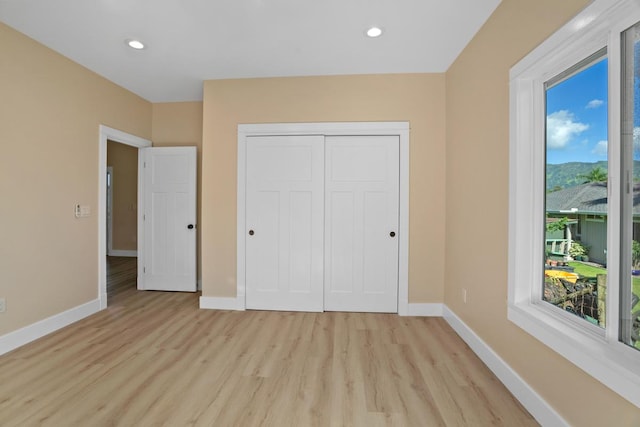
pixel 610 363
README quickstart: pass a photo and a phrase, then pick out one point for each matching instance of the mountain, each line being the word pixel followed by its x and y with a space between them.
pixel 565 175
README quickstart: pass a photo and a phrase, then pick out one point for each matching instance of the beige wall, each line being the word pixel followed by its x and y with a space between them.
pixel 124 161
pixel 417 98
pixel 49 117
pixel 477 209
pixel 180 124
pixel 50 110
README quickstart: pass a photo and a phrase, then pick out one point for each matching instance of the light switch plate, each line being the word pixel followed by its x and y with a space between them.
pixel 82 211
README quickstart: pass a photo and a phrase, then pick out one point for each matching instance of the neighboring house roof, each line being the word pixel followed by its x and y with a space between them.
pixel 589 198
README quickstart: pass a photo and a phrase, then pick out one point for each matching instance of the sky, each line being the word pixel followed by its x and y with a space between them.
pixel 577 117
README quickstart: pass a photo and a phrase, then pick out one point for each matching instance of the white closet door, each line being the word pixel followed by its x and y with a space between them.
pixel 285 223
pixel 361 228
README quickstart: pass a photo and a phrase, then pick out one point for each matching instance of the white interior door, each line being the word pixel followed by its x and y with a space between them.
pixel 361 232
pixel 284 223
pixel 169 218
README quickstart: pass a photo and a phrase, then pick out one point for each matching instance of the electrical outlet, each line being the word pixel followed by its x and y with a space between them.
pixel 3 305
pixel 464 296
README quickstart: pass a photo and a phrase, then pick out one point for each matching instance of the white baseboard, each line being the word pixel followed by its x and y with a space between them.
pixel 121 252
pixel 25 335
pixel 532 401
pixel 231 303
pixel 220 303
pixel 424 309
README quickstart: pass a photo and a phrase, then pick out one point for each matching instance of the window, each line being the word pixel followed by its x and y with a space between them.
pixel 575 269
pixel 630 189
pixel 574 237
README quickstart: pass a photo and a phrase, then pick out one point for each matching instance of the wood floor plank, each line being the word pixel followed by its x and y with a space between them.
pixel 155 359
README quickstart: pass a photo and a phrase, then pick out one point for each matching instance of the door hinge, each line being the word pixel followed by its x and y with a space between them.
pixel 144 270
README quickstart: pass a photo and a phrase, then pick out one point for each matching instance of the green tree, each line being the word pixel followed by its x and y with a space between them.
pixel 635 254
pixel 558 225
pixel 596 175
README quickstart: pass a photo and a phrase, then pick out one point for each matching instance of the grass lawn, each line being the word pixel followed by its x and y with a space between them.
pixel 591 271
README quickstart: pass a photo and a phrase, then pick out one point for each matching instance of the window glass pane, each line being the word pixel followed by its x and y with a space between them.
pixel 576 190
pixel 630 191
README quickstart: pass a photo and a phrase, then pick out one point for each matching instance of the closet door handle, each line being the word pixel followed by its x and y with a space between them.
pixel 392 234
pixel 251 233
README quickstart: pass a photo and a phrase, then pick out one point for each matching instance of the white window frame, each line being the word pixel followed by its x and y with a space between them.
pixel 597 351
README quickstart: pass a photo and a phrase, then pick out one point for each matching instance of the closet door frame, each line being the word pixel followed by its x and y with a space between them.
pixel 401 129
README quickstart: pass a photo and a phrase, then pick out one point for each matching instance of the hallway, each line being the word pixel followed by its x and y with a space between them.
pixel 121 278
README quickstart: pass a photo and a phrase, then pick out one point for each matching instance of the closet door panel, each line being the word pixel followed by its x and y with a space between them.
pixel 285 223
pixel 341 241
pixel 266 248
pixel 361 227
pixel 376 246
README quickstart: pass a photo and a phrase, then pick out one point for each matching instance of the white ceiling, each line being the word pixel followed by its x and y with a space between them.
pixel 190 41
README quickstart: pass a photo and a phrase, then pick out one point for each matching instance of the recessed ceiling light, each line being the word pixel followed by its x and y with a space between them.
pixel 374 32
pixel 135 44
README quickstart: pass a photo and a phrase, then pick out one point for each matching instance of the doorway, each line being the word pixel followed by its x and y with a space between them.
pixel 122 206
pixel 110 134
pixel 109 210
pixel 122 199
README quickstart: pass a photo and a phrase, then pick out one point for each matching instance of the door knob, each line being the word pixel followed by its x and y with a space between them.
pixel 190 226
pixel 250 232
pixel 392 234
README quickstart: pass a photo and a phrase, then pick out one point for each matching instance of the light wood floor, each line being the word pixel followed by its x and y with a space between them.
pixel 154 358
pixel 121 279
